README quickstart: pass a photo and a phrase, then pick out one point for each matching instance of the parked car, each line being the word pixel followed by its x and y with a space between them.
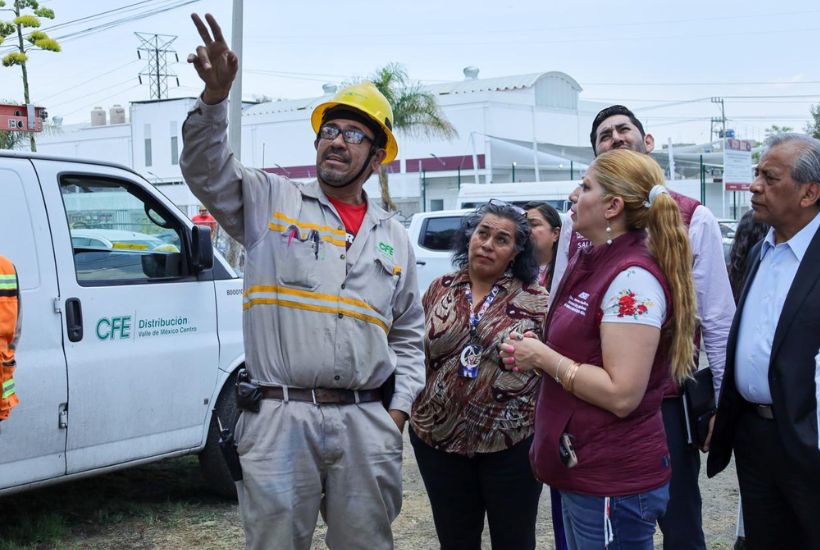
pixel 120 239
pixel 727 232
pixel 431 235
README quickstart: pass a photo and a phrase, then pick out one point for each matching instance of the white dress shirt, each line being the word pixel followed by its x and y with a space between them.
pixel 716 306
pixel 817 390
pixel 762 309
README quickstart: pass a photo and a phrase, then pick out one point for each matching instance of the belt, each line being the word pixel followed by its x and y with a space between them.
pixel 321 396
pixel 763 411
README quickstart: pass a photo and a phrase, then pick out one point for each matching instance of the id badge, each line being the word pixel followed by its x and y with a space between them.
pixel 470 358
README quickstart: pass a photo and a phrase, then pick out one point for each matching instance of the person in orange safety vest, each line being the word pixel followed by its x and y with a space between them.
pixel 9 332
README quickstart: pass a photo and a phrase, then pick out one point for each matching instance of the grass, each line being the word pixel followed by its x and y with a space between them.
pixel 167 505
pixel 148 506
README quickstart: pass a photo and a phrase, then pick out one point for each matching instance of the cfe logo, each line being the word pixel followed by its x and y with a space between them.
pixel 114 328
pixel 386 249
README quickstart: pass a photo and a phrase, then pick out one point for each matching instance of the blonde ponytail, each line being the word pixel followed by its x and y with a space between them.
pixel 632 176
pixel 668 243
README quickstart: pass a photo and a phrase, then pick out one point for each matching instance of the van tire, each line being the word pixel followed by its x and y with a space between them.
pixel 211 461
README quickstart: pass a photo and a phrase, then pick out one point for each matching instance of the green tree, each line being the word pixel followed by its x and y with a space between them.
pixel 25 26
pixel 415 113
pixel 774 129
pixel 10 140
pixel 813 126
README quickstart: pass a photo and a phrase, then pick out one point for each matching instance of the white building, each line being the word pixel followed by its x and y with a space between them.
pixel 510 128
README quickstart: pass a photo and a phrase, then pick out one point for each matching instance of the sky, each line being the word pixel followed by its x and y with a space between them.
pixel 664 60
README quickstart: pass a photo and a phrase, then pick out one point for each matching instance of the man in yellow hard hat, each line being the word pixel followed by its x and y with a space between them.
pixel 332 317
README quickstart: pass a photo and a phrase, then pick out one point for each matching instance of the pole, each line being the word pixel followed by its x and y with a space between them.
pixel 235 105
pixel 571 170
pixel 475 157
pixel 535 146
pixel 723 179
pixel 702 182
pixel 459 177
pixel 513 172
pixel 156 64
pixel 423 191
pixel 671 161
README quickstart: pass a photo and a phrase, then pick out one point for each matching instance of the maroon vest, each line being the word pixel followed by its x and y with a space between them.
pixel 616 456
pixel 686 206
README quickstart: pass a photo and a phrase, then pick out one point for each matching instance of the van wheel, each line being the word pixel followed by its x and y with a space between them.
pixel 211 460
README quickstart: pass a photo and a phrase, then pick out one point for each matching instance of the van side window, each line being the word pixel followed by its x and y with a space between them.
pixel 119 234
pixel 438 233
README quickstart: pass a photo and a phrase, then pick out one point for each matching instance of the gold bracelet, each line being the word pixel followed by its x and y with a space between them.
pixel 569 386
pixel 566 371
pixel 557 377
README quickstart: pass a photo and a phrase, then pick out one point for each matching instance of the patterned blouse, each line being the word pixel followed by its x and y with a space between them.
pixel 495 410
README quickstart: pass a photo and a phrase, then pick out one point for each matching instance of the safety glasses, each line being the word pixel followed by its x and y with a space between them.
pixel 351 135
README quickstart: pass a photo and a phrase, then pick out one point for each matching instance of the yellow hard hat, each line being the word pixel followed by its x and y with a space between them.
pixel 364 97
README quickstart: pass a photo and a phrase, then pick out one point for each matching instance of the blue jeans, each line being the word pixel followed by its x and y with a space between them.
pixel 632 519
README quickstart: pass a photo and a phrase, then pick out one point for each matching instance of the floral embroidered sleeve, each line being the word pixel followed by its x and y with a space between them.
pixel 634 296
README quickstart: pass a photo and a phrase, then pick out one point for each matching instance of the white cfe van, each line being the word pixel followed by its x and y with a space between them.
pixel 131 326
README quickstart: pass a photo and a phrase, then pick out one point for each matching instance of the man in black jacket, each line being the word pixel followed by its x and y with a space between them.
pixel 768 410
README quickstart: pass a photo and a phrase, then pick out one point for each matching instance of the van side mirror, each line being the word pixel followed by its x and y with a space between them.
pixel 202 249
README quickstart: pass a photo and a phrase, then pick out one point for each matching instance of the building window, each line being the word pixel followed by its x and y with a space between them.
pixel 172 127
pixel 148 154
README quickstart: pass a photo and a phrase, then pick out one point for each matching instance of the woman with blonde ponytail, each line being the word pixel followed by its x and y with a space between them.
pixel 619 330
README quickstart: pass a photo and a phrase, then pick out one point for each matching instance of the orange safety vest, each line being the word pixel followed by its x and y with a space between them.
pixel 9 330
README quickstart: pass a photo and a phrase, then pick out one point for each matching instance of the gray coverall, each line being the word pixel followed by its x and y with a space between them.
pixel 315 316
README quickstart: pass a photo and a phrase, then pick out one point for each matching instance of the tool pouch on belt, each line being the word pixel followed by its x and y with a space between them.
pixel 8 395
pixel 388 389
pixel 248 394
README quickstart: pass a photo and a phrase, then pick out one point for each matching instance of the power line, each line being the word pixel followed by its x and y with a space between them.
pixel 682 101
pixel 100 100
pixel 84 82
pixel 117 22
pixel 288 38
pixel 67 101
pixel 94 16
pixel 723 83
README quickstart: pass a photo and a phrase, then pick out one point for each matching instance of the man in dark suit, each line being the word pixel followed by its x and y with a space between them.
pixel 768 405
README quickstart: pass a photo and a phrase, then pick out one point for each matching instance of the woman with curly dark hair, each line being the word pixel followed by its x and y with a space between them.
pixel 472 425
pixel 747 234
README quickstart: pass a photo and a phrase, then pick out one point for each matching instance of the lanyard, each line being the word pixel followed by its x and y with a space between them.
pixel 475 316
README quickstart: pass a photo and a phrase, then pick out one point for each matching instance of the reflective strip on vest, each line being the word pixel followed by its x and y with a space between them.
pixel 8 282
pixel 8 388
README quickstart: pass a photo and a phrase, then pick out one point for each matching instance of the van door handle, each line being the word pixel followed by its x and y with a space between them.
pixel 421 262
pixel 74 319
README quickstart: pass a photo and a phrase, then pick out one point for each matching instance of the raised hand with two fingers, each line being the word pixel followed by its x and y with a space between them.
pixel 214 62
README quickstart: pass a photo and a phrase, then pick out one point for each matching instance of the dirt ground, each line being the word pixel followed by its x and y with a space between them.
pixel 414 529
pixel 166 505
